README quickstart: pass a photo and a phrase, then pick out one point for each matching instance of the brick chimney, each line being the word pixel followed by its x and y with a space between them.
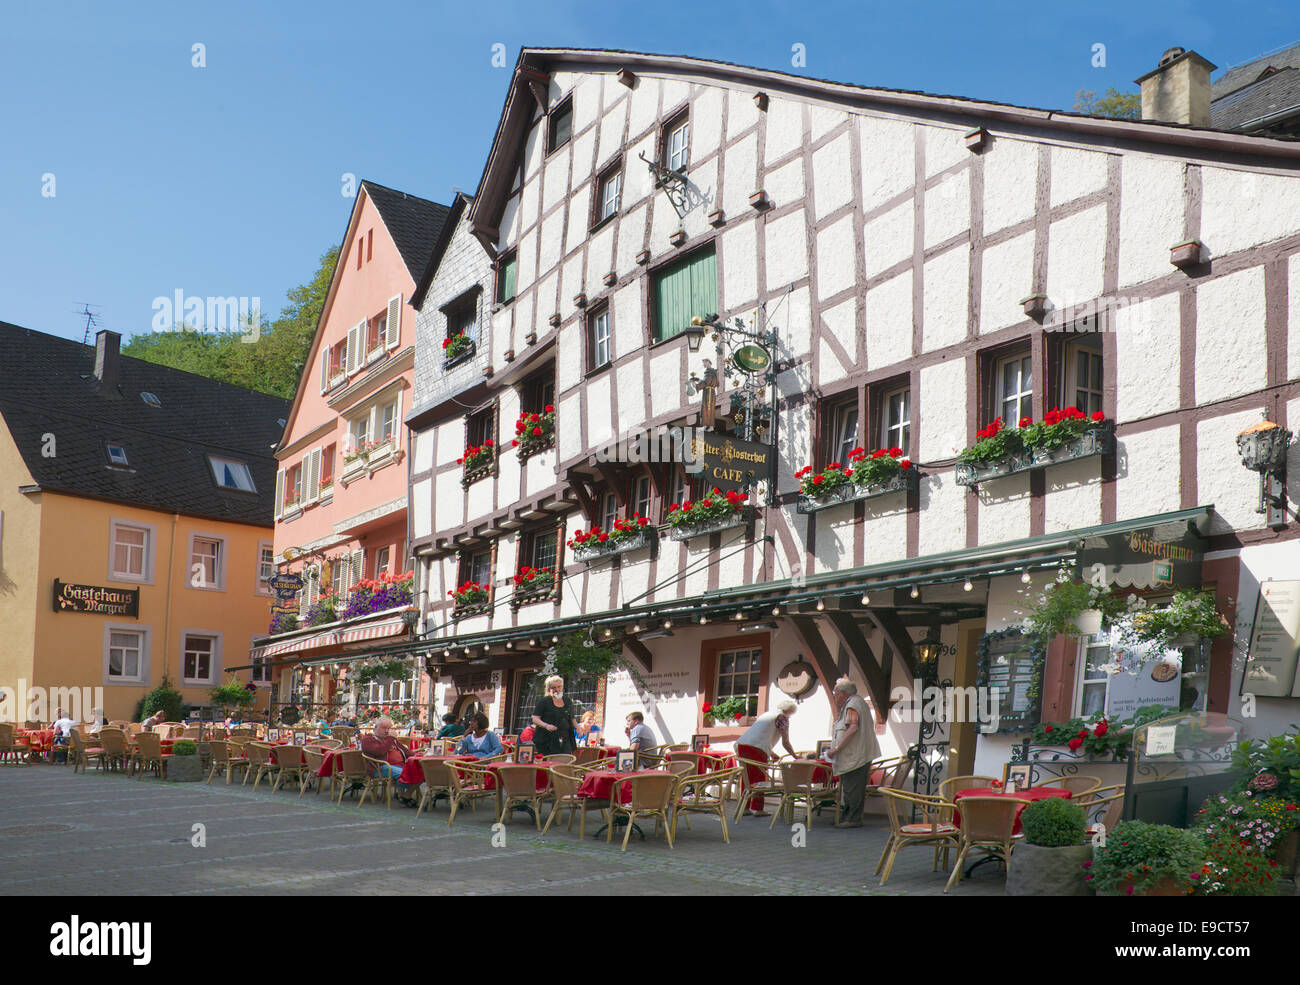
pixel 106 360
pixel 1178 89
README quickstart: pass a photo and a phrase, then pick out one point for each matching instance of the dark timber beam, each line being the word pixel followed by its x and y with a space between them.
pixel 822 661
pixel 612 478
pixel 642 653
pixel 877 680
pixel 897 636
pixel 584 495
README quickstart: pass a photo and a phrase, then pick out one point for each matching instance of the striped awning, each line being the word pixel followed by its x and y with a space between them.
pixel 356 634
pixel 328 638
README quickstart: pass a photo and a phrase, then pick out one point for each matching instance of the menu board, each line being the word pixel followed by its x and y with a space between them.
pixel 1010 666
pixel 1271 662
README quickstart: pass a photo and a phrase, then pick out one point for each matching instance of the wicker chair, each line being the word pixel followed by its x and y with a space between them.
pixel 649 795
pixel 588 754
pixel 116 751
pixel 518 785
pixel 604 763
pixel 344 734
pixel 954 784
pixel 704 794
pixel 292 764
pixel 377 783
pixel 565 781
pixel 437 783
pixel 349 771
pixel 1077 785
pixel 10 747
pixel 1103 808
pixel 677 747
pixel 313 759
pixel 769 785
pixel 681 768
pixel 468 786
pixel 148 752
pixel 226 757
pixel 699 762
pixel 81 753
pixel 561 759
pixel 987 823
pixel 935 829
pixel 895 773
pixel 260 763
pixel 797 787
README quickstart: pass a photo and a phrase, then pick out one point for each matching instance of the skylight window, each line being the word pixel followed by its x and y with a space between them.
pixel 151 399
pixel 231 474
pixel 117 455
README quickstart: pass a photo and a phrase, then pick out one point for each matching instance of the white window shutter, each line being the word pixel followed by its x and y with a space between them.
pixel 279 493
pixel 324 371
pixel 311 468
pixel 393 328
pixel 355 342
pixel 358 562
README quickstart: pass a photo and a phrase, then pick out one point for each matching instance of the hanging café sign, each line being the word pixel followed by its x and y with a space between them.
pixel 731 464
pixel 96 599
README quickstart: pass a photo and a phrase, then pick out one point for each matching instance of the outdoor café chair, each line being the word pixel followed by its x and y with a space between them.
pixel 797 787
pixel 10 747
pixel 343 733
pixel 934 829
pixel 588 754
pixel 292 764
pixel 116 751
pixel 694 758
pixel 650 795
pixel 893 774
pixel 987 824
pixel 565 781
pixel 767 785
pixel 468 786
pixel 377 784
pixel 677 747
pixel 1103 813
pixel 259 762
pixel 955 784
pixel 327 743
pixel 349 772
pixel 314 759
pixel 437 783
pixel 148 752
pixel 561 759
pixel 681 768
pixel 1077 785
pixel 705 793
pixel 81 753
pixel 226 757
pixel 603 763
pixel 519 786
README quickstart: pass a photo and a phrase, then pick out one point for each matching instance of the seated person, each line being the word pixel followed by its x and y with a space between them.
pixel 62 726
pixel 481 744
pixel 97 720
pixel 157 718
pixel 383 745
pixel 639 736
pixel 588 732
pixel 451 729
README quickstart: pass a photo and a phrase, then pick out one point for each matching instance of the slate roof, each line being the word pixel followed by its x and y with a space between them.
pixel 47 386
pixel 414 223
pixel 1241 76
pixel 1275 93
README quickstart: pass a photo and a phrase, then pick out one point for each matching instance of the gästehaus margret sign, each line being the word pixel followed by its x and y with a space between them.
pixel 99 600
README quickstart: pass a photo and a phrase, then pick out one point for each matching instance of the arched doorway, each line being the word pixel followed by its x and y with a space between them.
pixel 468 704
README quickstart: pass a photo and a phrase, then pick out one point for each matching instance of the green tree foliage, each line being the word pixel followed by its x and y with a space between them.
pixel 272 364
pixel 1115 104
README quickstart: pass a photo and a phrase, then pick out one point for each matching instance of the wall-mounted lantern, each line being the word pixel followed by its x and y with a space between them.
pixel 1263 449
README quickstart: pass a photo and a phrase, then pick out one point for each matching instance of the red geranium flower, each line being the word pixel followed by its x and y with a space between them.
pixel 1098 415
pixel 1075 743
pixel 1026 421
pixel 895 451
pixel 904 463
pixel 549 408
pixel 708 707
pixel 537 432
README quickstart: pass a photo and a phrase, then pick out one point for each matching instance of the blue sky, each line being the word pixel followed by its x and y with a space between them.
pixel 225 180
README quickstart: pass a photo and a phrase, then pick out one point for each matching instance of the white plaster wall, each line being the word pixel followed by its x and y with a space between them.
pixel 555 177
pixel 944 147
pixel 947 208
pixel 889 322
pixel 1010 178
pixel 1293 318
pixel 945 299
pixel 1076 256
pixel 1073 497
pixel 739 266
pixel 631 237
pixel 1076 173
pixel 832 181
pixel 1006 277
pixel 1004 510
pixel 1231 352
pixel 1220 477
pixel 1146 480
pixel 584 151
pixel 666 383
pixel 611 130
pixel 885 530
pixel 447 501
pixel 570 438
pixel 787 250
pixel 786 183
pixel 1241 209
pixel 943 515
pixel 600 252
pixel 823 119
pixel 835 538
pixel 568 356
pixel 836 259
pixel 794 322
pixel 632 398
pixel 742 114
pixel 421 507
pixel 888 159
pixel 450 442
pixel 1150 216
pixel 706 120
pixel 1147 345
pixel 841 322
pixel 784 128
pixel 887 239
pixel 600 426
pixel 644 97
pixel 943 393
pixel 741 169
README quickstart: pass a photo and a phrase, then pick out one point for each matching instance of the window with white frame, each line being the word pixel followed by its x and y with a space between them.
pixel 207 562
pixel 132 557
pixel 265 567
pixel 599 338
pixel 126 654
pixel 641 495
pixel 261 670
pixel 843 430
pixel 117 455
pixel 677 144
pixel 1013 386
pixel 387 417
pixel 1083 384
pixel 1094 682
pixel 382 560
pixel 896 418
pixel 610 195
pixel 359 432
pixel 199 658
pixel 232 474
pixel 681 487
pixel 739 676
pixel 340 575
pixel 608 511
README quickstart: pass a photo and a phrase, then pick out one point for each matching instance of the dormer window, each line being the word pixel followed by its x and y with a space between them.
pixel 117 455
pixel 561 126
pixel 231 474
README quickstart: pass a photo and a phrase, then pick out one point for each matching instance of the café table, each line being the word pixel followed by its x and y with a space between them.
pixel 413 772
pixel 716 759
pixel 599 785
pixel 37 740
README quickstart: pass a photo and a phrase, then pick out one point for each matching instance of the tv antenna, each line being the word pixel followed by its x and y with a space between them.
pixel 90 317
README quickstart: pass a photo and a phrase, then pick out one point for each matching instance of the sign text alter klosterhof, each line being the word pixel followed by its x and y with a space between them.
pixel 97 599
pixel 731 464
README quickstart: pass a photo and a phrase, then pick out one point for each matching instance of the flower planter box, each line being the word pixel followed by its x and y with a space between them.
pixel 473 609
pixel 184 769
pixel 597 551
pixel 905 481
pixel 1099 441
pixel 741 518
pixel 482 471
pixel 527 451
pixel 528 596
pixel 463 356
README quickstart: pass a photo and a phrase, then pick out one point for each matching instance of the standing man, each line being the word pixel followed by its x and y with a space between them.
pixel 761 738
pixel 853 749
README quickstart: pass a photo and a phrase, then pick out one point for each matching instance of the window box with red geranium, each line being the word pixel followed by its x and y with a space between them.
pixel 709 514
pixel 884 471
pixel 1062 436
pixel 534 585
pixel 470 599
pixel 535 432
pixel 456 349
pixel 631 534
pixel 478 461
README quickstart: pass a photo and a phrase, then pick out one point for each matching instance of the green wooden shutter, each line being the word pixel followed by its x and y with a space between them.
pixel 685 291
pixel 507 283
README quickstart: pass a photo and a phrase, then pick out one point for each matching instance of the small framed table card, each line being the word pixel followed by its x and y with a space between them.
pixel 272 735
pixel 823 747
pixel 625 761
pixel 699 743
pixel 525 753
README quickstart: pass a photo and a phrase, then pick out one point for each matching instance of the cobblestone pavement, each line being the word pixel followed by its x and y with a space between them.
pixel 66 833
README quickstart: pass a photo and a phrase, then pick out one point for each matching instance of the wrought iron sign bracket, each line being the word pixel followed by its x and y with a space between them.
pixel 672 182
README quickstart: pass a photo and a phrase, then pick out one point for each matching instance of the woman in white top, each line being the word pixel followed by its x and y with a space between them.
pixel 759 739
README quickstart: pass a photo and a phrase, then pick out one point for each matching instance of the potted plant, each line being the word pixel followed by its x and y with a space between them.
pixel 454 347
pixel 533 581
pixel 477 459
pixel 1140 859
pixel 1051 859
pixel 184 765
pixel 1062 435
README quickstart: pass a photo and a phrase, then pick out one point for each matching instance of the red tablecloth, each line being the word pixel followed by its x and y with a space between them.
pixel 600 783
pixel 543 776
pixel 1031 793
pixel 718 759
pixel 38 740
pixel 413 772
